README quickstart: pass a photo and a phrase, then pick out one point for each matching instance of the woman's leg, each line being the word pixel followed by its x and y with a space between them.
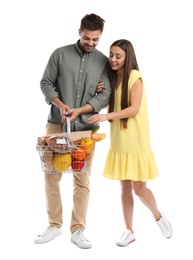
pixel 147 197
pixel 127 207
pixel 127 203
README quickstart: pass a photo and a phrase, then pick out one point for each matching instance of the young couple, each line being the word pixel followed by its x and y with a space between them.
pixel 71 85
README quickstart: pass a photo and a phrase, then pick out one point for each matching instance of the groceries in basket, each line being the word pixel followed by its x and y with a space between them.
pixel 59 154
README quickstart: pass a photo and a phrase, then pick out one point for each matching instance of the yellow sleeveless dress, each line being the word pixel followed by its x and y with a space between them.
pixel 130 156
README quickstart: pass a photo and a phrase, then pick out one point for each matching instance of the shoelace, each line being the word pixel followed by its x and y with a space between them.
pixel 125 235
pixel 165 225
pixel 46 232
pixel 82 237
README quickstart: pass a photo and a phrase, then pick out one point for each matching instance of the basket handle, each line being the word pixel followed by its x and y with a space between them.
pixel 68 125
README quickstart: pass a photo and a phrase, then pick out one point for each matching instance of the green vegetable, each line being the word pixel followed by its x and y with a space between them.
pixel 95 129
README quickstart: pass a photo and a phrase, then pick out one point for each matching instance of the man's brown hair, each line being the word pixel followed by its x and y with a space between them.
pixel 92 22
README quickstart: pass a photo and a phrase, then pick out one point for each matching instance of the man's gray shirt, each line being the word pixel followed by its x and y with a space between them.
pixel 73 77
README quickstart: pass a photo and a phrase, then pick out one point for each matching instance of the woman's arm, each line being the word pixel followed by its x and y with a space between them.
pixel 132 110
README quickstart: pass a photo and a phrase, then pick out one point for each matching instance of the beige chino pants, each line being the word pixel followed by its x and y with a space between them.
pixel 81 194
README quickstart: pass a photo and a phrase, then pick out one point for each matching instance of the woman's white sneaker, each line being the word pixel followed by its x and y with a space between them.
pixel 49 234
pixel 126 238
pixel 165 227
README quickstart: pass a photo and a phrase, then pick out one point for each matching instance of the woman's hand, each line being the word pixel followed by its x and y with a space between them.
pixel 100 86
pixel 96 119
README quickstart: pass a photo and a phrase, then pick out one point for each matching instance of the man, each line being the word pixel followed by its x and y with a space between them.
pixel 69 85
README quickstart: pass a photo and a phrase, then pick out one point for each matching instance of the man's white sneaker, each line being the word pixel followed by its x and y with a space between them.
pixel 165 227
pixel 126 238
pixel 49 234
pixel 79 239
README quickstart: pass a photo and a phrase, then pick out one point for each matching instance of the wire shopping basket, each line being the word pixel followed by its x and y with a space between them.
pixel 69 152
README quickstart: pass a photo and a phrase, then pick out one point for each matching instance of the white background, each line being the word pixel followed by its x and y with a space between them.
pixel 161 32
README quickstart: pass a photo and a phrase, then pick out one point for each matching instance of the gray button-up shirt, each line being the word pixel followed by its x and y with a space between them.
pixel 73 77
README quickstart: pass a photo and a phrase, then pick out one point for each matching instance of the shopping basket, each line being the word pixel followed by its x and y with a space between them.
pixel 69 152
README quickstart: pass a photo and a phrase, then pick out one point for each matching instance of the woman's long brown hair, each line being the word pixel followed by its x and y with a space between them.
pixel 130 64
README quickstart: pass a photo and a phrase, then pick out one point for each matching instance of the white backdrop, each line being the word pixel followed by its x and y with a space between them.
pixel 161 32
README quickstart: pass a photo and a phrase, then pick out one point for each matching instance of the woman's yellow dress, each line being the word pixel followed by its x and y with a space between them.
pixel 130 156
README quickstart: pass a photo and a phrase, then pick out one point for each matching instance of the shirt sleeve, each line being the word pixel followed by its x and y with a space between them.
pixel 101 99
pixel 47 83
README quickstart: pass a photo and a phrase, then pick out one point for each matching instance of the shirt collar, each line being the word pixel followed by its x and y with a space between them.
pixel 80 52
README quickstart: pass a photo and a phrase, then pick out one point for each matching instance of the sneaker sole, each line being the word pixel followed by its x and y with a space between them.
pixel 168 237
pixel 46 241
pixel 82 247
pixel 126 244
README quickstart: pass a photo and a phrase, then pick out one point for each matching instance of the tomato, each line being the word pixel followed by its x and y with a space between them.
pixel 77 165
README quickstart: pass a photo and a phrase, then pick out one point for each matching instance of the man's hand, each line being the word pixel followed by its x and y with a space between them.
pixel 64 109
pixel 74 113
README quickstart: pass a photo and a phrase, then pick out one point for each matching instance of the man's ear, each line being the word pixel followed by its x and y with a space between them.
pixel 79 31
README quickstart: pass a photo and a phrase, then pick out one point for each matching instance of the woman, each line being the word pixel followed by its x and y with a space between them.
pixel 130 158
